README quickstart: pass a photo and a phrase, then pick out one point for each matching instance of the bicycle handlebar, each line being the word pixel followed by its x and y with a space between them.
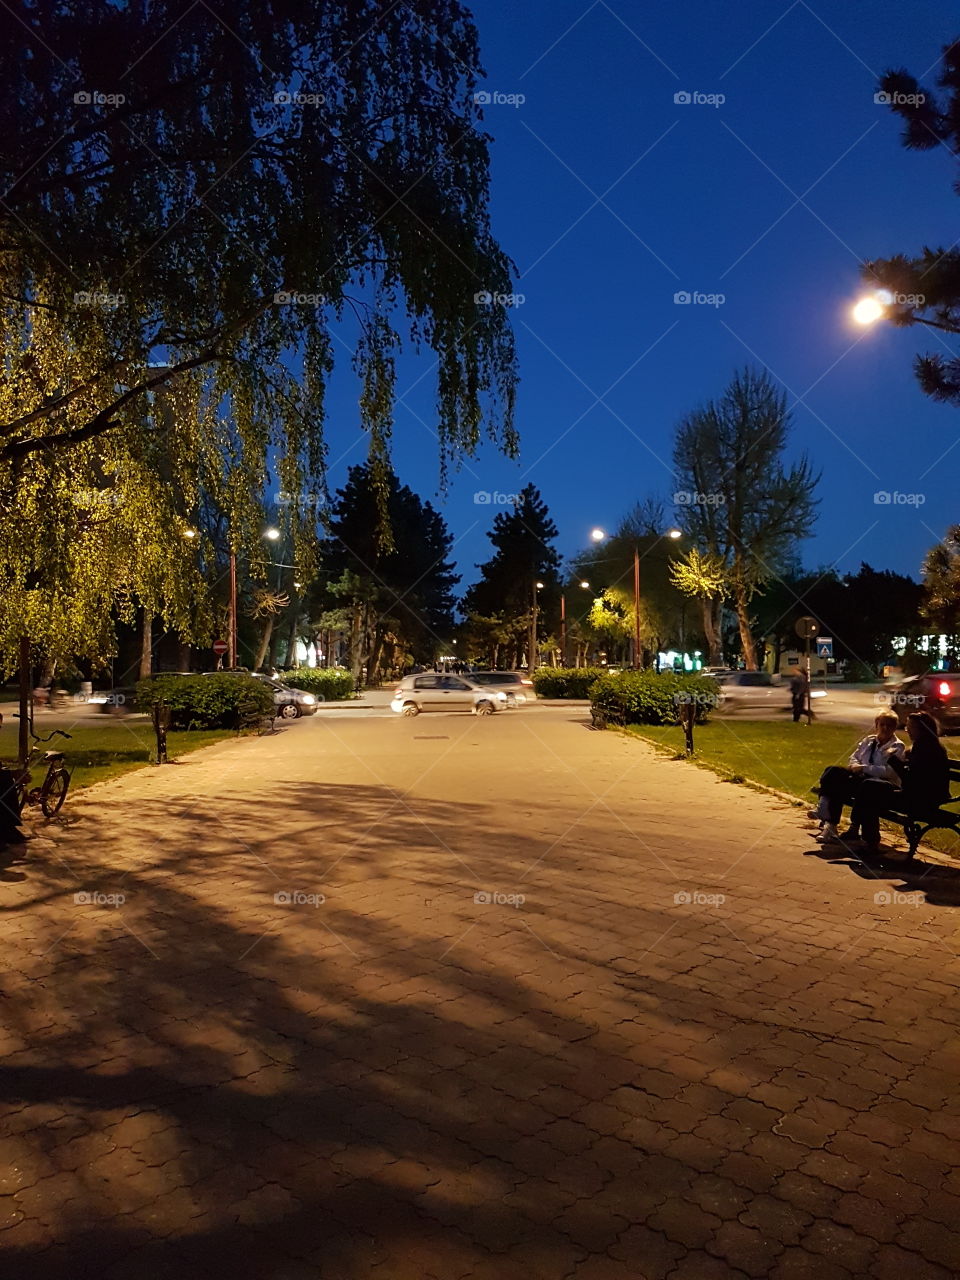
pixel 54 733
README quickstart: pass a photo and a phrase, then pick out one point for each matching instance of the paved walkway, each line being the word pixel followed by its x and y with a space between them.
pixel 694 1049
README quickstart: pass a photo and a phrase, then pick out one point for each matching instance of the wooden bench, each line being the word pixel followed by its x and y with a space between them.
pixel 251 716
pixel 945 818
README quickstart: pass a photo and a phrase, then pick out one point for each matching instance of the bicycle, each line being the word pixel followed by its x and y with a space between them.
pixel 52 792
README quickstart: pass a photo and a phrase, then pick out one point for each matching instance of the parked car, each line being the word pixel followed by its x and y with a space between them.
pixel 432 692
pixel 937 692
pixel 515 684
pixel 289 703
pixel 750 689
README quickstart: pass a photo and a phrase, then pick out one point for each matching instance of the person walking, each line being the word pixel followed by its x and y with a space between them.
pixel 799 685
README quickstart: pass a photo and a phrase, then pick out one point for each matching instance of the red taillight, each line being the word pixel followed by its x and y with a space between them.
pixel 397 693
pixel 944 690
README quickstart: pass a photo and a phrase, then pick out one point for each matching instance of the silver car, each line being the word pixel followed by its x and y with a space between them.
pixel 517 685
pixel 433 692
pixel 750 689
pixel 289 703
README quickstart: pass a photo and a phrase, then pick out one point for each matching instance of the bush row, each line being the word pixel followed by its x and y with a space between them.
pixel 330 684
pixel 566 682
pixel 643 697
pixel 207 702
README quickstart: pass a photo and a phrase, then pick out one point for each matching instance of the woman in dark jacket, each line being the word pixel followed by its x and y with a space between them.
pixel 924 782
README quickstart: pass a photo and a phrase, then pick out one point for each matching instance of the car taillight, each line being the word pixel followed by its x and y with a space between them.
pixel 944 690
pixel 397 693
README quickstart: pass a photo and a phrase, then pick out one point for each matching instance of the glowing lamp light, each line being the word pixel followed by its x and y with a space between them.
pixel 872 308
pixel 272 534
pixel 597 535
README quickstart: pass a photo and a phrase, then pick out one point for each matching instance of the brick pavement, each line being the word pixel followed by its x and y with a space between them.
pixel 603 1082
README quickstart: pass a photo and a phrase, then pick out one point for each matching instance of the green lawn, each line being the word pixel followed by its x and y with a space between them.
pixel 787 757
pixel 94 753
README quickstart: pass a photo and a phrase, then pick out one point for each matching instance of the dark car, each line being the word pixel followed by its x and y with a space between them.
pixel 517 685
pixel 937 692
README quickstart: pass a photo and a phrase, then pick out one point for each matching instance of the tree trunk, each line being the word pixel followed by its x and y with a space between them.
pixel 746 635
pixel 356 661
pixel 373 663
pixel 264 644
pixel 292 658
pixel 146 645
pixel 711 631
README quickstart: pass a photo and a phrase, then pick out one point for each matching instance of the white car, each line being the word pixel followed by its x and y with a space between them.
pixel 517 685
pixel 751 689
pixel 433 692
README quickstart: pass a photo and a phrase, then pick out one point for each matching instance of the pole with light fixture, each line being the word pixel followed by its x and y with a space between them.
pixel 532 639
pixel 598 535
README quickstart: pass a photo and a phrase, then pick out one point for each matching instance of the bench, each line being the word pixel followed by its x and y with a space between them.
pixel 250 716
pixel 943 819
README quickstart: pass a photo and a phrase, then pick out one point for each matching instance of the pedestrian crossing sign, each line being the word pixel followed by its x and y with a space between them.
pixel 824 646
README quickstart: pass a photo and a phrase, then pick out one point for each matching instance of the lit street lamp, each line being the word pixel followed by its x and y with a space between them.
pixel 598 535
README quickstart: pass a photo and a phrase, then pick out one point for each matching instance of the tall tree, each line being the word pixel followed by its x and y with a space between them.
pixel 941 587
pixel 925 288
pixel 198 209
pixel 400 593
pixel 523 556
pixel 743 506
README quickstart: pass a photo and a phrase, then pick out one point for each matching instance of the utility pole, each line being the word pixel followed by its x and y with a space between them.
pixel 233 609
pixel 637 651
pixel 563 630
pixel 532 641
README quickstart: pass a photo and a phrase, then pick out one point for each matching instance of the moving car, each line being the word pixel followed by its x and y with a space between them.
pixel 937 692
pixel 750 689
pixel 515 684
pixel 432 692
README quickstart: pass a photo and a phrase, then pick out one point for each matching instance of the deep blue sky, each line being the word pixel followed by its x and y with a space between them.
pixel 701 200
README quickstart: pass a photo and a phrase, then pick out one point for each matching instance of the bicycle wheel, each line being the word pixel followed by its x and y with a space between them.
pixel 54 791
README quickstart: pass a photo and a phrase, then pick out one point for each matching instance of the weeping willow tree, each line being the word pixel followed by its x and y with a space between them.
pixel 195 194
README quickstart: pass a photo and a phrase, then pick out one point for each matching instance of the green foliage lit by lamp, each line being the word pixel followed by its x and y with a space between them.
pixel 207 702
pixel 328 684
pixel 566 682
pixel 643 697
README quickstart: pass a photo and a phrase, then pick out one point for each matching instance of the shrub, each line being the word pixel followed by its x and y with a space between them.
pixel 329 684
pixel 565 682
pixel 643 697
pixel 218 701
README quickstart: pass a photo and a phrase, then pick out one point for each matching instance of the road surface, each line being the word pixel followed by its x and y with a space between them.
pixel 449 997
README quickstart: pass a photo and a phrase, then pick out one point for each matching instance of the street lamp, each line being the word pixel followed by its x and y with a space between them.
pixel 598 535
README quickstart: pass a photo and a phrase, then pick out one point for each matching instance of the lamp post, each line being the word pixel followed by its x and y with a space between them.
pixel 598 535
pixel 532 640
pixel 272 535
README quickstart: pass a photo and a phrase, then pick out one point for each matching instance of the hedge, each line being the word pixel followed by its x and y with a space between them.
pixel 566 682
pixel 329 684
pixel 643 697
pixel 217 701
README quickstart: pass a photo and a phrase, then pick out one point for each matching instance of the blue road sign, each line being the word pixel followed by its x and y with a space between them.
pixel 824 646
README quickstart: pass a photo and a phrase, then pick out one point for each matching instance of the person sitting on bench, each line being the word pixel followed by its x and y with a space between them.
pixel 924 784
pixel 870 759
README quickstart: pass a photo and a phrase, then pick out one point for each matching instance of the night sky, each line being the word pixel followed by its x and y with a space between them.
pixel 611 198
